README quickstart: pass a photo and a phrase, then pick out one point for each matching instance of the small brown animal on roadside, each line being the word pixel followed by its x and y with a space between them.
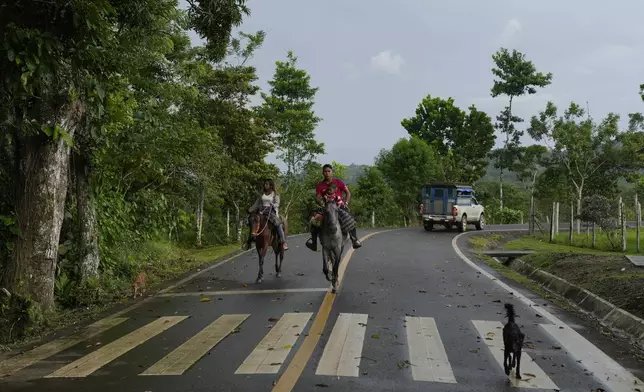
pixel 139 284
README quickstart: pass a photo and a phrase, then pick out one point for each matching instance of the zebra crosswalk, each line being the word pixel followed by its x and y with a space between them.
pixel 340 353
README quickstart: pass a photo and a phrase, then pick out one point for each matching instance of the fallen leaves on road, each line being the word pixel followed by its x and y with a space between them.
pixel 287 347
pixel 403 364
pixel 204 299
pixel 321 385
pixel 273 320
pixel 375 336
pixel 422 291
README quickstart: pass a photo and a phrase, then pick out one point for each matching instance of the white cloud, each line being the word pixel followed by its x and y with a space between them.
pixel 511 29
pixel 387 62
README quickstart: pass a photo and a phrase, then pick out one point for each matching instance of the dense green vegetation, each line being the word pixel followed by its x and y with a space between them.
pixel 124 148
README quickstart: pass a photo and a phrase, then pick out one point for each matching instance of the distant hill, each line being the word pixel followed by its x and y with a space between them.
pixel 492 174
pixel 354 172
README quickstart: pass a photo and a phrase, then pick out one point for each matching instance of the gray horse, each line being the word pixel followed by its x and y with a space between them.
pixel 333 242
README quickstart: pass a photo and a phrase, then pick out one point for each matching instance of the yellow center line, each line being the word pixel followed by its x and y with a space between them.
pixel 289 378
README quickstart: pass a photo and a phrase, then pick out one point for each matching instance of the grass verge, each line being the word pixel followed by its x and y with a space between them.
pixel 583 242
pixel 609 275
pixel 485 242
pixel 606 274
pixel 160 261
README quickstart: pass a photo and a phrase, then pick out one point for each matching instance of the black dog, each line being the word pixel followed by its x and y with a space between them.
pixel 512 342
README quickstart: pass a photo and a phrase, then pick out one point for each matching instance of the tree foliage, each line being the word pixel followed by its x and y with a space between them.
pixel 581 146
pixel 150 121
pixel 407 166
pixel 515 76
pixel 287 112
pixel 373 195
pixel 462 140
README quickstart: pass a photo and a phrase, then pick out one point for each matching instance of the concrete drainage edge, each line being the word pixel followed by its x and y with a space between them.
pixel 603 311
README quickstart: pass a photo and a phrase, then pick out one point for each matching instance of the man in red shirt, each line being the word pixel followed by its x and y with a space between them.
pixel 347 223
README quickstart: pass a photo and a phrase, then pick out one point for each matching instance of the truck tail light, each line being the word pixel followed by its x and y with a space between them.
pixel 454 211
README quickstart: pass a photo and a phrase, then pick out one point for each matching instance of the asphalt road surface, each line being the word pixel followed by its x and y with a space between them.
pixel 415 312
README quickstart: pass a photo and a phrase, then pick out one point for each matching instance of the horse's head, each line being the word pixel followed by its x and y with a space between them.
pixel 254 220
pixel 330 212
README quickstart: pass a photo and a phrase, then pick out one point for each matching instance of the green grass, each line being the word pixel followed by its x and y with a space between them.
pixel 541 244
pixel 161 261
pixel 210 253
pixel 582 243
pixel 169 261
pixel 482 242
pixel 607 274
pixel 522 280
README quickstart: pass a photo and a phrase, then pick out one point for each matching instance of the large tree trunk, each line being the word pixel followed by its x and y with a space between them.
pixel 87 220
pixel 40 205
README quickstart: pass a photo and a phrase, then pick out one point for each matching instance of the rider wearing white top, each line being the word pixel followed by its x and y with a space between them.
pixel 269 198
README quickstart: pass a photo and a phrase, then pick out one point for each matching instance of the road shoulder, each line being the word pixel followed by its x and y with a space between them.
pixel 558 310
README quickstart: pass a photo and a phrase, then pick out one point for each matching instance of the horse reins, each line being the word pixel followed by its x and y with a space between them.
pixel 265 224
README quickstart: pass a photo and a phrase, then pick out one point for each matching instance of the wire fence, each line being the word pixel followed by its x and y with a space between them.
pixel 615 228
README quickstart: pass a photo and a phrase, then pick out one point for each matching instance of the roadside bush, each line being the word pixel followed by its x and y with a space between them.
pixel 603 213
pixel 507 216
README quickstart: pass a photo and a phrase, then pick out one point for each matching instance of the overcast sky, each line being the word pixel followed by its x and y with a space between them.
pixel 374 60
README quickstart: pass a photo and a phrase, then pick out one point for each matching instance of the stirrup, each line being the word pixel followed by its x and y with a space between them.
pixel 311 245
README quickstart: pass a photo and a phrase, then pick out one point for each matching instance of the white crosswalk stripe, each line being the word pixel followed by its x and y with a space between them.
pixel 191 351
pixel 342 353
pixel 106 354
pixel 532 376
pixel 605 368
pixel 426 352
pixel 39 353
pixel 271 352
pixel 340 356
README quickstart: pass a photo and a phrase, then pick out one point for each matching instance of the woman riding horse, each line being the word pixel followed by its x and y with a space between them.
pixel 269 199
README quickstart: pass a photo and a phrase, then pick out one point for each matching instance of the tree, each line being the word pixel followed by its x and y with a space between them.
pixel 579 145
pixel 527 167
pixel 65 61
pixel 516 77
pixel 462 140
pixel 373 194
pixel 288 114
pixel 410 164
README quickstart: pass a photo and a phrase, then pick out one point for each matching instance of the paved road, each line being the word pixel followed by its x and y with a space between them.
pixel 413 314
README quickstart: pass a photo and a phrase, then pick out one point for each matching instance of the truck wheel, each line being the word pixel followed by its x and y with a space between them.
pixel 480 225
pixel 462 226
pixel 428 226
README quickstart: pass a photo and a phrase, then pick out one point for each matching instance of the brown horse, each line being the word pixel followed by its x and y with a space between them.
pixel 265 234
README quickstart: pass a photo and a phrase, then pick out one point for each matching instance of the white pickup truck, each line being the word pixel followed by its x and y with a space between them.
pixel 451 205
